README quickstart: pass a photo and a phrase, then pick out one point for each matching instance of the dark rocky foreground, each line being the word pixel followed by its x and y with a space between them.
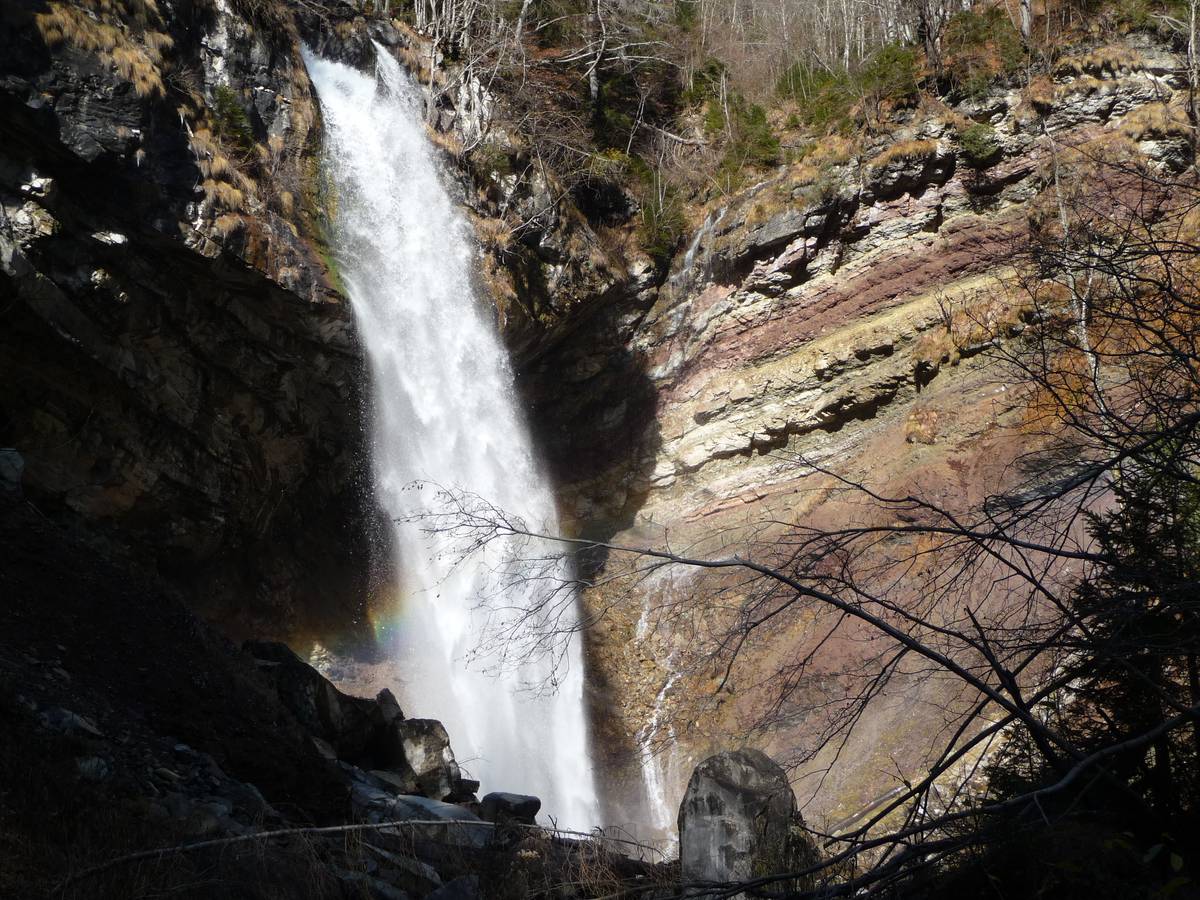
pixel 128 724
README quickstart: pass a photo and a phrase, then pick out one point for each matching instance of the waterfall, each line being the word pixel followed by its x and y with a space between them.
pixel 687 277
pixel 444 413
pixel 656 755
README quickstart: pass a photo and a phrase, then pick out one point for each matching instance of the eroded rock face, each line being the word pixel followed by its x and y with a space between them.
pixel 419 749
pixel 738 821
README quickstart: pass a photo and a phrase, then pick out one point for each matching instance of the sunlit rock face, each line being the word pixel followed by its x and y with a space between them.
pixel 805 324
pixel 182 378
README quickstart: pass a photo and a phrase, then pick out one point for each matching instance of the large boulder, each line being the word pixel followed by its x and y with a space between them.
pixel 738 821
pixel 404 756
pixel 416 817
pixel 502 807
pixel 348 724
pixel 419 749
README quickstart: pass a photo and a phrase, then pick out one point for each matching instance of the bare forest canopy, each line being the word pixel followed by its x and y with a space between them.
pixel 677 105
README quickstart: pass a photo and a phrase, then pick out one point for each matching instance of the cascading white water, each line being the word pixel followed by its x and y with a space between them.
pixel 445 414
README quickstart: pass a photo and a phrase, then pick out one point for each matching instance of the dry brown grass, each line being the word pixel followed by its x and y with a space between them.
pixel 228 223
pixel 285 202
pixel 223 195
pixel 1040 93
pixel 158 42
pixel 1101 61
pixel 134 65
pixel 809 180
pixel 921 427
pixel 445 140
pixel 976 319
pixel 957 122
pixel 905 151
pixel 1084 84
pixel 1156 121
pixel 122 33
pixel 494 235
pixel 226 186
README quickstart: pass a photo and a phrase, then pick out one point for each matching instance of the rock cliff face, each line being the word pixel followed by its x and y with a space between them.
pixel 180 375
pixel 834 318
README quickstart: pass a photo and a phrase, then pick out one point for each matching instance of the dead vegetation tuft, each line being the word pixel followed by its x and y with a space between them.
pixel 124 34
pixel 905 151
pixel 1156 121
pixel 1101 62
pixel 971 323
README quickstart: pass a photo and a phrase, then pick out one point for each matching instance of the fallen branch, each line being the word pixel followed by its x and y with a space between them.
pixel 691 142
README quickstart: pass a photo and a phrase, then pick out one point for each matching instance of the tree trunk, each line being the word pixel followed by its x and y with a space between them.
pixel 595 90
pixel 928 35
pixel 520 28
pixel 1193 74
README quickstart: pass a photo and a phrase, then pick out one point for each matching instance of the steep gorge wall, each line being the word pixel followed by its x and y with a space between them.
pixel 183 380
pixel 813 321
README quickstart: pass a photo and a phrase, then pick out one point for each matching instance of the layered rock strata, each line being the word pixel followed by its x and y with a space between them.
pixel 833 319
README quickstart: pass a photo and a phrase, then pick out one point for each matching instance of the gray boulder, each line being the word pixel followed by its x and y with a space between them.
pixel 500 807
pixel 408 756
pixel 442 824
pixel 738 820
pixel 419 749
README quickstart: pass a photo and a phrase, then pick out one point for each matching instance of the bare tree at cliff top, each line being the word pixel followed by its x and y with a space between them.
pixel 1062 617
